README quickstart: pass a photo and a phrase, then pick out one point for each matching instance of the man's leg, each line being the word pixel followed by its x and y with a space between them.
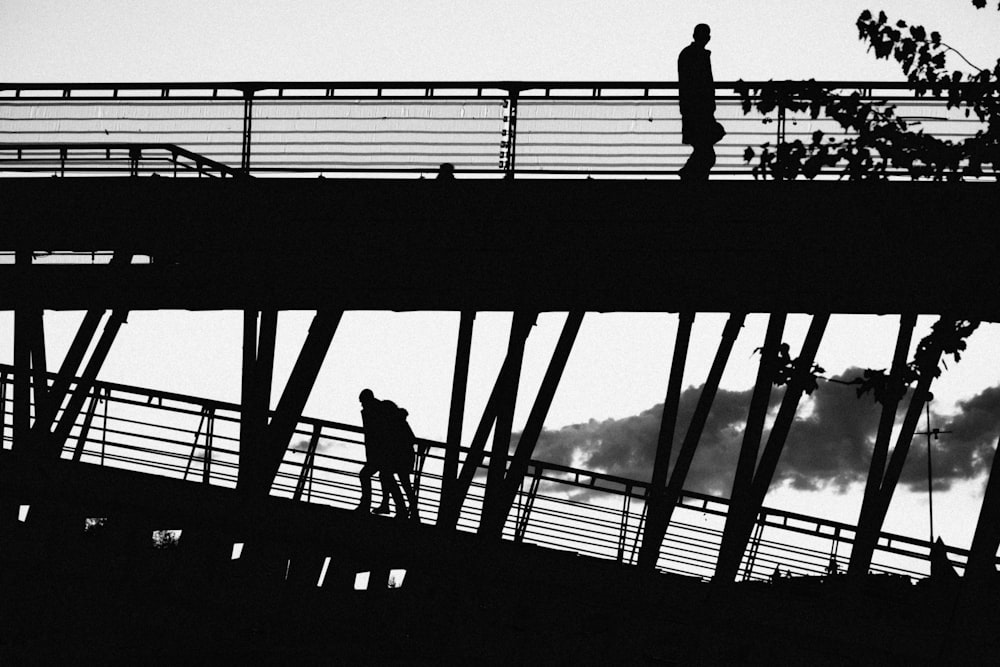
pixel 365 477
pixel 390 488
pixel 699 164
pixel 384 480
pixel 411 497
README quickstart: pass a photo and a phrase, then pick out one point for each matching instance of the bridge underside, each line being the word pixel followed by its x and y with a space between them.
pixel 109 593
pixel 507 245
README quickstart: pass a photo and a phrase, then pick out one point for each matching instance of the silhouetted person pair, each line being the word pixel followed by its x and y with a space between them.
pixel 389 452
pixel 699 129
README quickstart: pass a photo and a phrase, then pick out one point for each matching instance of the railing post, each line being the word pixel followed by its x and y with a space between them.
pixel 449 476
pixel 780 149
pixel 247 131
pixel 206 473
pixel 510 145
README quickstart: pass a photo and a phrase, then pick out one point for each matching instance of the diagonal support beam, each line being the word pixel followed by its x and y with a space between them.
pixel 456 416
pixel 880 453
pixel 451 506
pixel 659 513
pixel 752 434
pixel 648 551
pixel 982 554
pixel 498 501
pixel 258 369
pixel 873 513
pixel 265 462
pixel 743 513
pixel 52 443
pixel 504 426
pixel 46 409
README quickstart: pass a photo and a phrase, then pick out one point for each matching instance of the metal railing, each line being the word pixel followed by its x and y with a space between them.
pixel 558 507
pixel 485 129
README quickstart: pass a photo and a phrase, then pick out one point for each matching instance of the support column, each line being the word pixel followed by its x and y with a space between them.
pixel 519 328
pixel 873 513
pixel 497 505
pixel 648 551
pixel 449 477
pixel 53 443
pixel 752 433
pixel 450 510
pixel 986 541
pixel 274 439
pixel 743 510
pixel 864 544
pixel 258 369
pixel 657 520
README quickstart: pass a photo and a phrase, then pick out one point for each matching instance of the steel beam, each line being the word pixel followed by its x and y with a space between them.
pixel 657 520
pixel 986 541
pixel 274 440
pixel 497 504
pixel 460 381
pixel 754 430
pixel 46 413
pixel 53 442
pixel 649 550
pixel 880 453
pixel 496 473
pixel 873 512
pixel 22 380
pixel 743 514
pixel 258 369
pixel 450 510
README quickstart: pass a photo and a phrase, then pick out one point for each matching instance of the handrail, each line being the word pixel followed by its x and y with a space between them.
pixel 135 150
pixel 620 524
pixel 509 85
pixel 483 128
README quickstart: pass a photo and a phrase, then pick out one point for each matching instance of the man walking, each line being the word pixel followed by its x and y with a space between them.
pixel 377 418
pixel 699 128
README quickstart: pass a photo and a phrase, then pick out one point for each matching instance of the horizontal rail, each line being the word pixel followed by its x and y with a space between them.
pixel 163 433
pixel 254 86
pixel 503 128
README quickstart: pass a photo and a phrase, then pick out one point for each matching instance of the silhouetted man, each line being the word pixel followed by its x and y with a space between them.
pixel 377 419
pixel 400 455
pixel 699 128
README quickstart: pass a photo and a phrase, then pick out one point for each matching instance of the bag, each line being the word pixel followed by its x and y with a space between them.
pixel 718 132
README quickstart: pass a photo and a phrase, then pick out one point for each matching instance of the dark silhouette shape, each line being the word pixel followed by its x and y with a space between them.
pixel 446 171
pixel 699 130
pixel 376 418
pixel 400 454
pixel 941 567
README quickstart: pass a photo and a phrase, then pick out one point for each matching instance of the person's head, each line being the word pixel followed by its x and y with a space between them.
pixel 702 33
pixel 446 170
pixel 366 397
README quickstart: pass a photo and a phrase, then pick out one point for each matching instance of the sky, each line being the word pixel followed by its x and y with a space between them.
pixel 617 373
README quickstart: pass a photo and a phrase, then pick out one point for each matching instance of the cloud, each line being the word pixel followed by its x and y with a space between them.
pixel 829 444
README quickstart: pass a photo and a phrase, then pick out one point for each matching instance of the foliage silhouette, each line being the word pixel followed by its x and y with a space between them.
pixel 882 142
pixel 947 337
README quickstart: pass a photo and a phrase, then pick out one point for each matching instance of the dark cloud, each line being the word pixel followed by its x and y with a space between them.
pixel 830 445
pixel 321 446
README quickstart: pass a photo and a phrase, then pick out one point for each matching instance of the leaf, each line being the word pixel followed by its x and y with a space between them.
pixel 748 154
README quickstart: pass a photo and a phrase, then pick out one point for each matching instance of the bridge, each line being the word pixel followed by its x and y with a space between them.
pixel 153 510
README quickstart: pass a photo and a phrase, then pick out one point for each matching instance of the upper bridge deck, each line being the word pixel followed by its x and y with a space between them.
pixel 565 197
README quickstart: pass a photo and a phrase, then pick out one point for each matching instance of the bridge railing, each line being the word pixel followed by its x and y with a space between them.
pixel 559 507
pixel 405 129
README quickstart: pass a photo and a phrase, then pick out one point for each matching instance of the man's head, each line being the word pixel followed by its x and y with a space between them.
pixel 702 33
pixel 366 396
